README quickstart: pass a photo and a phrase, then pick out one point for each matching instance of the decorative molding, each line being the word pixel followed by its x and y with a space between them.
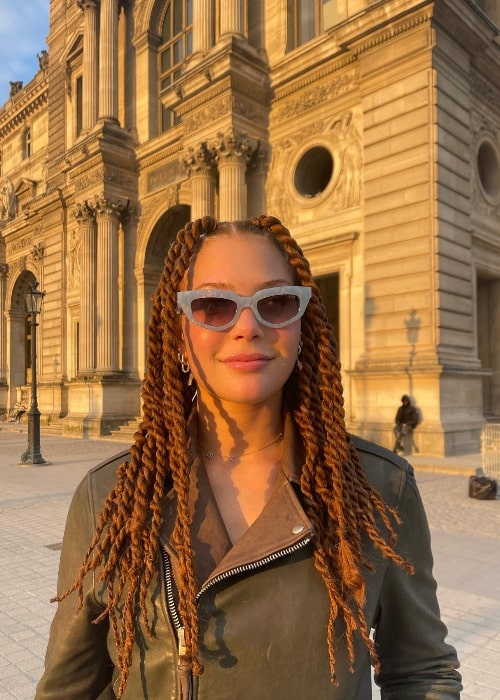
pixel 316 95
pixel 210 113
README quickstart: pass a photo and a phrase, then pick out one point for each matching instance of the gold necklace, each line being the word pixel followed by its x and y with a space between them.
pixel 210 454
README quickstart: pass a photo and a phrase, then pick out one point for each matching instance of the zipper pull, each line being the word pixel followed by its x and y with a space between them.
pixel 184 671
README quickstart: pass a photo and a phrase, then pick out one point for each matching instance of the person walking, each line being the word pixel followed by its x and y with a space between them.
pixel 405 422
pixel 247 545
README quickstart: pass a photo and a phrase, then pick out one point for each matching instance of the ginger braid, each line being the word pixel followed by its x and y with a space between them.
pixel 125 546
pixel 340 501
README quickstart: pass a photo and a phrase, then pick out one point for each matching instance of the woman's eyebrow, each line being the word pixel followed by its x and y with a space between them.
pixel 224 285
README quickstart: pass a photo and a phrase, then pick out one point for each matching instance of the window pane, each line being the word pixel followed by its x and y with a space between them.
pixel 167 30
pixel 189 12
pixel 165 61
pixel 305 28
pixel 178 16
pixel 178 53
pixel 167 119
pixel 189 43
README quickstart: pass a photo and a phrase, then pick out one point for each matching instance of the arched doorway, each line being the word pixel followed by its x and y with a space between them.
pixel 19 342
pixel 162 235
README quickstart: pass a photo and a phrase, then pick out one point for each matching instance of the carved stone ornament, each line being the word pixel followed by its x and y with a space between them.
pixel 37 252
pixel 233 146
pixel 199 159
pixel 8 201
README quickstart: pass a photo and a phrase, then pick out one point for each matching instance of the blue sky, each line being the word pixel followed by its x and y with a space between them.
pixel 24 26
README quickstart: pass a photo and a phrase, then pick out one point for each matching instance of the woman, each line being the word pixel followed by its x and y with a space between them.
pixel 247 545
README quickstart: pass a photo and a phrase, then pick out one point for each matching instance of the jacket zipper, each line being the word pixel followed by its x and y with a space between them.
pixel 252 566
pixel 185 678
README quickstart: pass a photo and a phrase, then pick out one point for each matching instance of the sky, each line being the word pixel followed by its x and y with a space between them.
pixel 24 26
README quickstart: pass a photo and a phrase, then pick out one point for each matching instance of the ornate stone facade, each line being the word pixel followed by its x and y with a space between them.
pixel 374 135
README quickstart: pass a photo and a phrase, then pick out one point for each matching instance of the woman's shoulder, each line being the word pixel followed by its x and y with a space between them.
pixel 100 480
pixel 387 472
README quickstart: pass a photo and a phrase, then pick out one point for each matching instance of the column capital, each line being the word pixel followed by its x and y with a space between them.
pixel 199 159
pixel 84 212
pixel 107 207
pixel 87 4
pixel 233 146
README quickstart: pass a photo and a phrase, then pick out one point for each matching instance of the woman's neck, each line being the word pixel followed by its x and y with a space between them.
pixel 239 429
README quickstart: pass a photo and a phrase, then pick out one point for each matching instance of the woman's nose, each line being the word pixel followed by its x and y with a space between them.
pixel 247 323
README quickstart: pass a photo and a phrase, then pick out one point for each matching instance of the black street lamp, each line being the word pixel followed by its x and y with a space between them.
pixel 33 455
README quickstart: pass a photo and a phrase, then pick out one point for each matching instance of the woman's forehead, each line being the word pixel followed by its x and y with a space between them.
pixel 240 256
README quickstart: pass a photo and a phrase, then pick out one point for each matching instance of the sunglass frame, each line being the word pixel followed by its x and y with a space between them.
pixel 184 300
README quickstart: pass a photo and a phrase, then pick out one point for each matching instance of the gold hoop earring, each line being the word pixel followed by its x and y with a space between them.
pixel 185 368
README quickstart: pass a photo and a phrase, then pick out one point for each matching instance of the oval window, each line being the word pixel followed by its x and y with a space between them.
pixel 314 172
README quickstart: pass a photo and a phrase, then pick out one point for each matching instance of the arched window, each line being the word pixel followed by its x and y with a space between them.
pixel 27 145
pixel 176 46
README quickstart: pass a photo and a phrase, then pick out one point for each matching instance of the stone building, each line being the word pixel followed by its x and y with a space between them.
pixel 371 128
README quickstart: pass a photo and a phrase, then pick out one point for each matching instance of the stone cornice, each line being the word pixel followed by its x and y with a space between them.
pixel 358 38
pixel 23 105
pixel 152 152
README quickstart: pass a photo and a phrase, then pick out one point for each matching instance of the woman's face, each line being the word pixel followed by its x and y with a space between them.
pixel 249 362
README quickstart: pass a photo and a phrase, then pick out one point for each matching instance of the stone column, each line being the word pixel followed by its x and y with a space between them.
pixel 90 63
pixel 85 216
pixel 199 164
pixel 129 294
pixel 108 217
pixel 233 152
pixel 108 60
pixel 4 271
pixel 256 183
pixel 203 22
pixel 231 17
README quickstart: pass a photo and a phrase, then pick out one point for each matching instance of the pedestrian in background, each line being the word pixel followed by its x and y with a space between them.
pixel 405 422
pixel 247 545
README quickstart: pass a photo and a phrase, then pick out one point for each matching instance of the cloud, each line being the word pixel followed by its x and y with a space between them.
pixel 24 26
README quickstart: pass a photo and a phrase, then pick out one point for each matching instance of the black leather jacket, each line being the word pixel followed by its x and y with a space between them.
pixel 263 608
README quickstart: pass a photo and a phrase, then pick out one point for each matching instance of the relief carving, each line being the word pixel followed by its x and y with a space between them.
pixel 233 146
pixel 199 159
pixel 348 144
pixel 316 95
pixel 8 201
pixel 73 261
pixel 203 116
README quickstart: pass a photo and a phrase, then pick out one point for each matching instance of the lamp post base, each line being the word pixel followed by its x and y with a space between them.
pixel 33 455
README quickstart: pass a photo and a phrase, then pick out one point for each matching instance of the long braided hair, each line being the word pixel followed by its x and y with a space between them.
pixel 339 500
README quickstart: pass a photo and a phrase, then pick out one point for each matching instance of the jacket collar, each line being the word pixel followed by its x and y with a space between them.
pixel 282 524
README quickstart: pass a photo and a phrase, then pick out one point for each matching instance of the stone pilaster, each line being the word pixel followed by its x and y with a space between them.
pixel 233 153
pixel 203 22
pixel 199 163
pixel 4 271
pixel 129 294
pixel 231 17
pixel 108 217
pixel 108 60
pixel 90 63
pixel 85 216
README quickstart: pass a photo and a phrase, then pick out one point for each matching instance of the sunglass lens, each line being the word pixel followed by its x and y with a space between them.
pixel 279 308
pixel 212 311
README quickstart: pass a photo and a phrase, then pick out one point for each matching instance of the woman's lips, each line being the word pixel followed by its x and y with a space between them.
pixel 247 362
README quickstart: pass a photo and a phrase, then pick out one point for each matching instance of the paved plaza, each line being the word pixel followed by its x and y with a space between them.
pixel 34 501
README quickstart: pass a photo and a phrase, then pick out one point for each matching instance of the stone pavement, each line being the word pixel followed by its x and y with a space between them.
pixel 33 506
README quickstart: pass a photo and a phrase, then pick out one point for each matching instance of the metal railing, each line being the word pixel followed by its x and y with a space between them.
pixel 490 449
